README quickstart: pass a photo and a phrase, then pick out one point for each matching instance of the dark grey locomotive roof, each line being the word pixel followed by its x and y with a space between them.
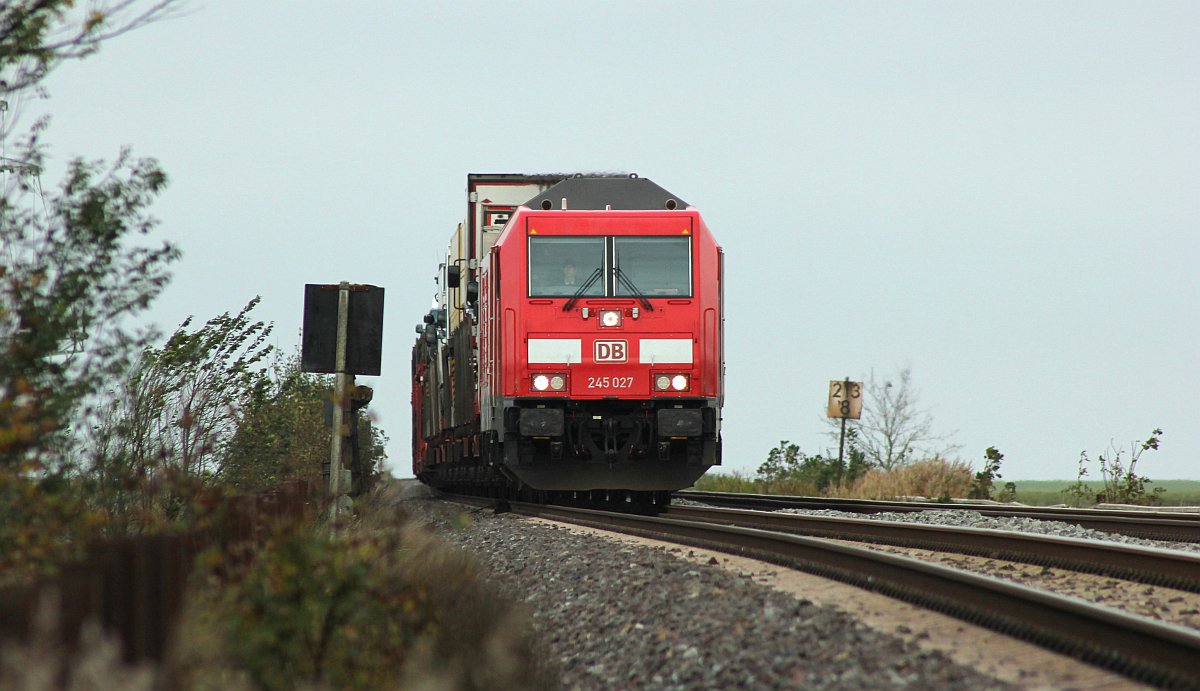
pixel 623 193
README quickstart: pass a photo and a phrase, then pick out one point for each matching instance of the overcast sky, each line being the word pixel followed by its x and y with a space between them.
pixel 1004 197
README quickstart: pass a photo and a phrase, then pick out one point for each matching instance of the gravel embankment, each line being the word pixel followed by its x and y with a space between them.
pixel 965 518
pixel 625 616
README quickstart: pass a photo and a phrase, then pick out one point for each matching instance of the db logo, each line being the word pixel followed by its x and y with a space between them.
pixel 610 351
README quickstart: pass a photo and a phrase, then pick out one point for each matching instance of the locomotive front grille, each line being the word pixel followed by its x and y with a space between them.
pixel 541 422
pixel 680 422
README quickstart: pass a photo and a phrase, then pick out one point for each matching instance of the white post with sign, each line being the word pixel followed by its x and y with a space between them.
pixel 845 402
pixel 341 405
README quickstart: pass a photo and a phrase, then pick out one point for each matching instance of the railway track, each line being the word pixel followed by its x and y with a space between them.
pixel 1134 563
pixel 1142 649
pixel 1150 525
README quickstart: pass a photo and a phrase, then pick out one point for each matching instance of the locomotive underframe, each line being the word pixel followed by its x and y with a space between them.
pixel 563 444
pixel 624 444
pixel 609 431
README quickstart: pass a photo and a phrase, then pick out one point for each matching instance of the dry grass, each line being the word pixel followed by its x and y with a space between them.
pixel 935 478
pixel 43 663
pixel 741 482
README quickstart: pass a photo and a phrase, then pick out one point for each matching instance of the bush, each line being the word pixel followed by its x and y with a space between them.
pixel 280 435
pixel 985 480
pixel 379 608
pixel 1122 484
pixel 787 470
pixel 43 524
pixel 734 481
pixel 937 477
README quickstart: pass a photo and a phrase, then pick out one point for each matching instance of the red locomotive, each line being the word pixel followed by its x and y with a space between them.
pixel 577 343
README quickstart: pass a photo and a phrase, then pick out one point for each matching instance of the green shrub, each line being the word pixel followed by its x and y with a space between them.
pixel 43 524
pixel 788 470
pixel 375 609
pixel 1122 484
pixel 1009 493
pixel 985 480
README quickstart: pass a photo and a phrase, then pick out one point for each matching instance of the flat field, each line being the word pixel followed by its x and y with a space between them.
pixel 1032 492
pixel 1047 492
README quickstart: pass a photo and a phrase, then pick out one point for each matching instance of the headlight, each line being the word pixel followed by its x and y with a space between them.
pixel 549 382
pixel 610 318
pixel 672 382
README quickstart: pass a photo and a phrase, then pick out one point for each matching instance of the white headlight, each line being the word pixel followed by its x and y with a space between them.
pixel 679 382
pixel 541 382
pixel 610 317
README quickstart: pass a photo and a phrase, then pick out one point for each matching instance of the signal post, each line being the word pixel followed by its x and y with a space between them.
pixel 342 336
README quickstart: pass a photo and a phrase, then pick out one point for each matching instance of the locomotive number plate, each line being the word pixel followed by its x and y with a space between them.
pixel 610 351
pixel 610 382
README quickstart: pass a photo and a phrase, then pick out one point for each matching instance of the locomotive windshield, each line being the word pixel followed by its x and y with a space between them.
pixel 560 266
pixel 624 266
pixel 653 266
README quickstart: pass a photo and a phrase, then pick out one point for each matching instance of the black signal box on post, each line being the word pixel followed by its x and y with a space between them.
pixel 364 329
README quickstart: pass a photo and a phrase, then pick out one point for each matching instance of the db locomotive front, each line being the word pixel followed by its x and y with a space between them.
pixel 577 342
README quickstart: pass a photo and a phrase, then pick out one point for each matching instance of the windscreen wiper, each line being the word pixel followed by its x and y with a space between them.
pixel 633 289
pixel 582 289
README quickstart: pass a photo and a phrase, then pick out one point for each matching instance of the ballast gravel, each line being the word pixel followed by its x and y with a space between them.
pixel 619 616
pixel 965 518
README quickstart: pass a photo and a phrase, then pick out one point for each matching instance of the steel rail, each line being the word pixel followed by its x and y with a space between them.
pixel 1148 565
pixel 1145 650
pixel 1154 525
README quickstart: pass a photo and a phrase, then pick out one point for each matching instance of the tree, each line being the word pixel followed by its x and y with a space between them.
pixel 203 381
pixel 69 282
pixel 72 277
pixel 38 35
pixel 176 412
pixel 203 413
pixel 894 430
